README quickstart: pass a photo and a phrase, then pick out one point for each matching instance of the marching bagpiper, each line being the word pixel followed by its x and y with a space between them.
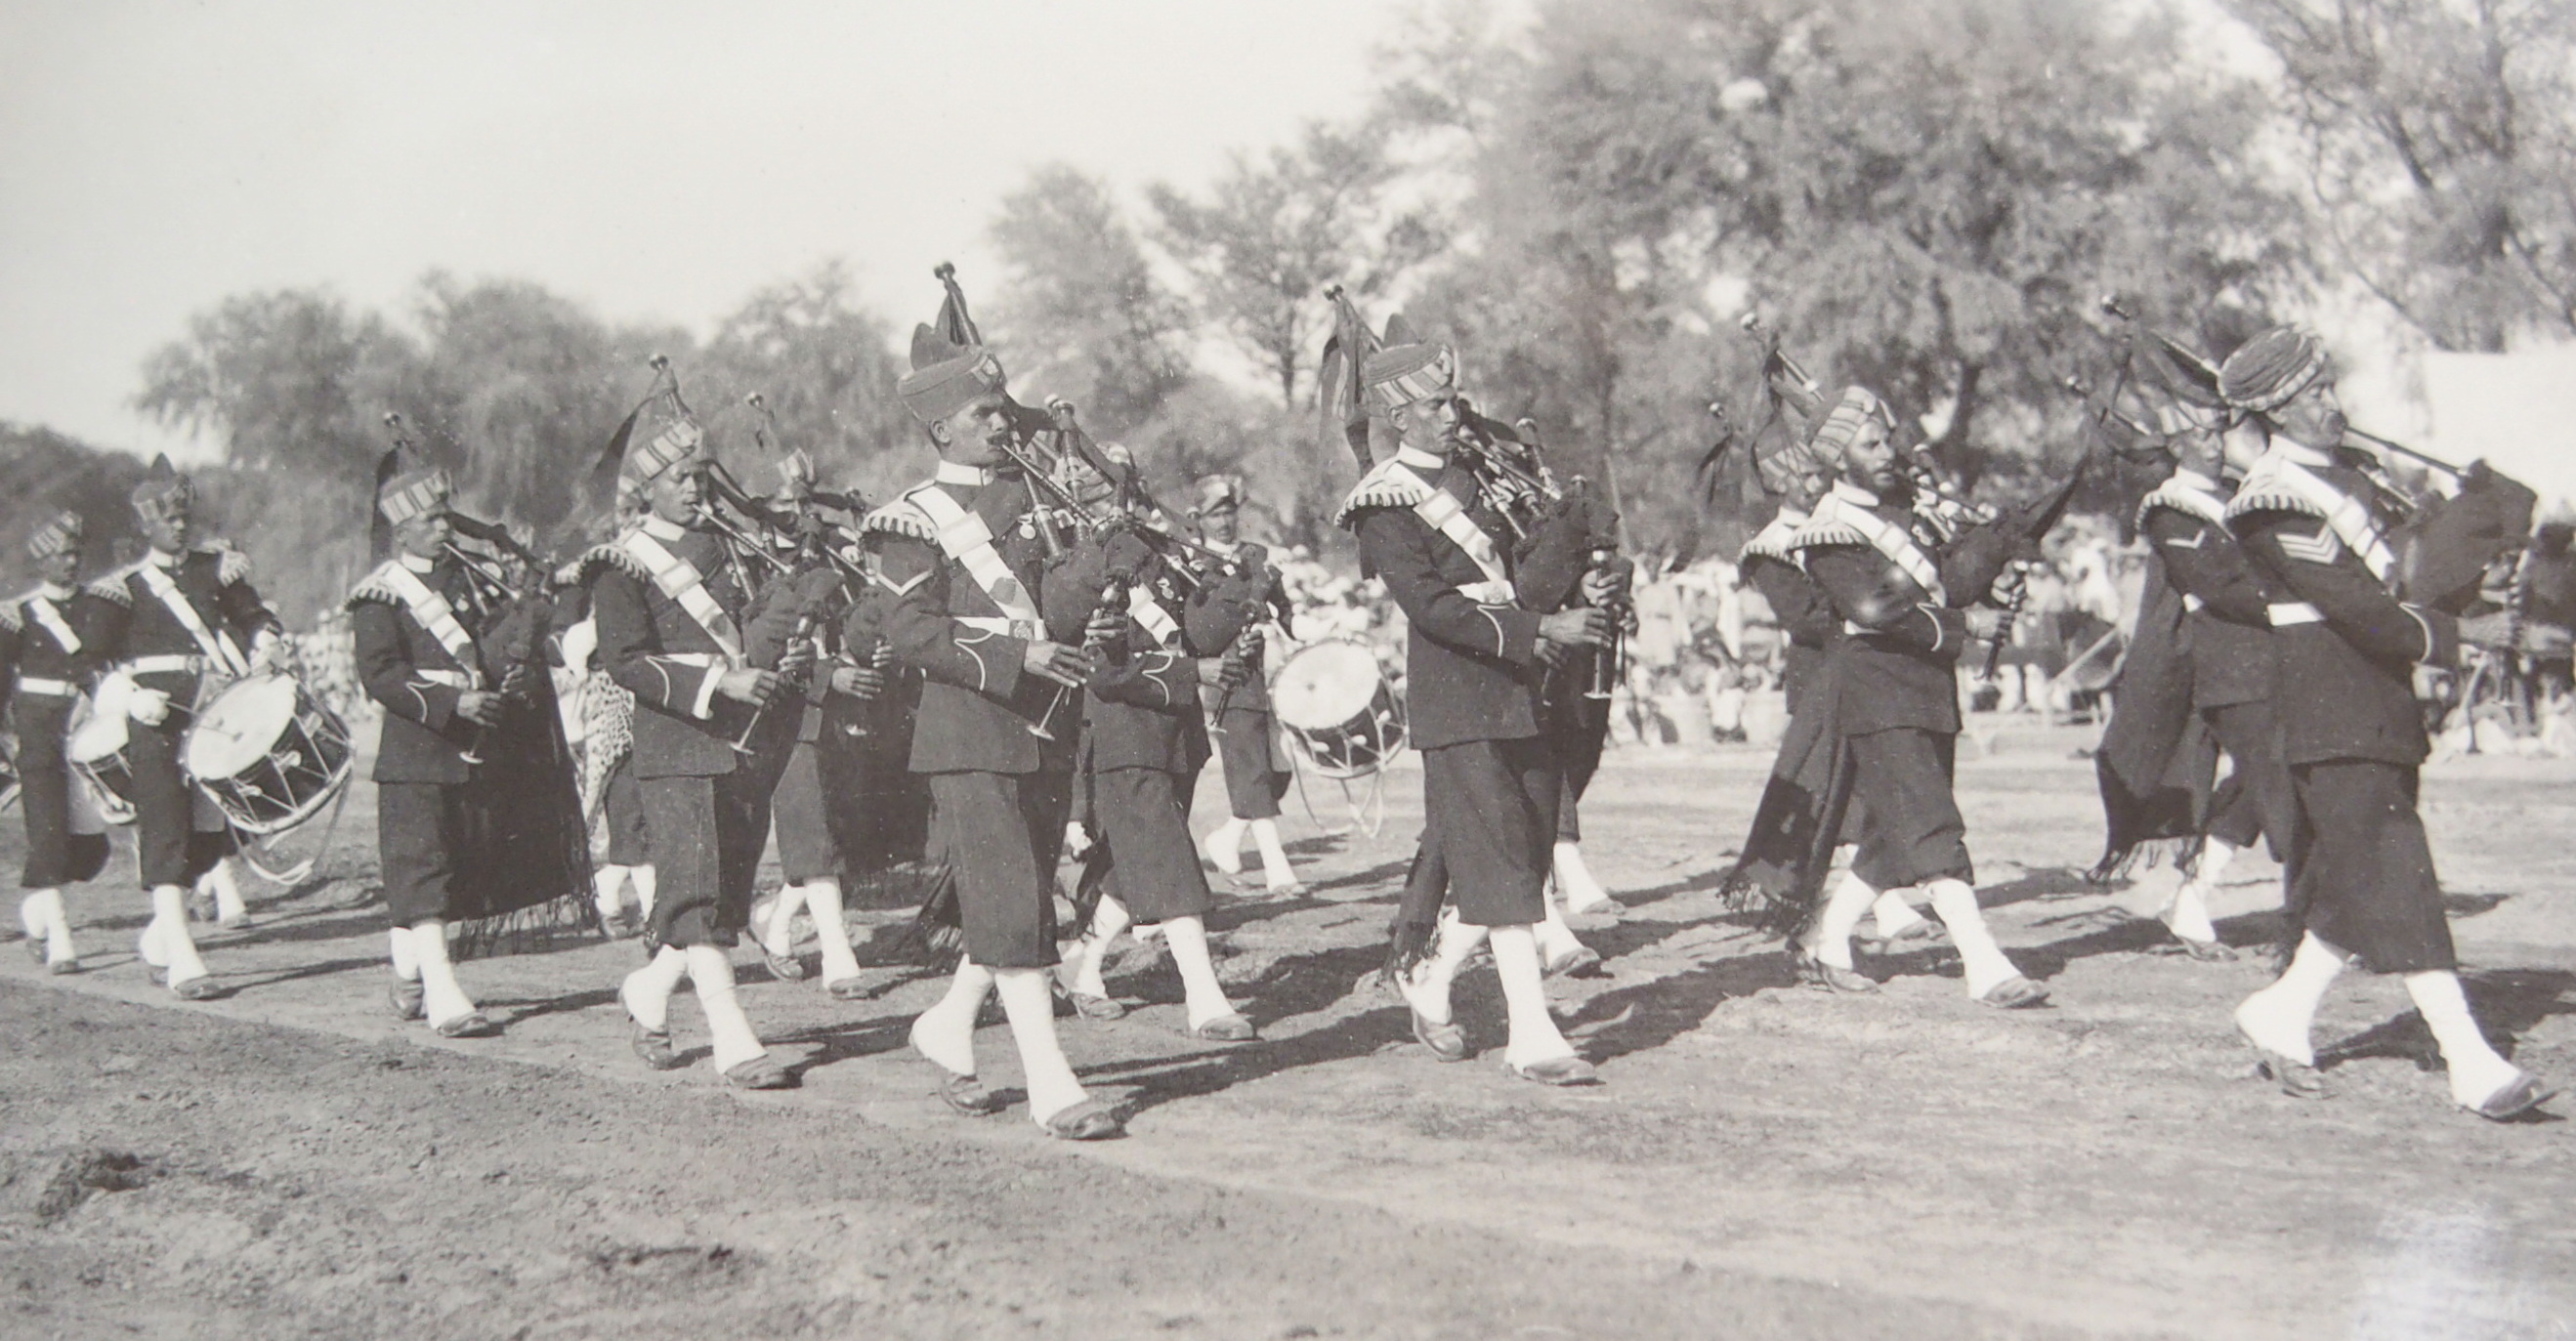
pixel 1144 742
pixel 959 554
pixel 831 711
pixel 1894 677
pixel 49 641
pixel 416 627
pixel 1241 718
pixel 1798 471
pixel 2311 517
pixel 2227 666
pixel 675 631
pixel 1491 782
pixel 184 618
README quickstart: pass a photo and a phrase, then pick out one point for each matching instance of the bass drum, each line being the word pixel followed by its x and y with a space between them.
pixel 1337 709
pixel 268 754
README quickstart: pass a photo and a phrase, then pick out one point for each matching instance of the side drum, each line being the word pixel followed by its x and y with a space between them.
pixel 101 758
pixel 268 754
pixel 1338 710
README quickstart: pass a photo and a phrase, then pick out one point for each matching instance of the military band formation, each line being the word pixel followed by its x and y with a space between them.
pixel 1014 672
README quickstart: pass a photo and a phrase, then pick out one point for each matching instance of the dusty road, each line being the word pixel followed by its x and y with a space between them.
pixel 1763 1161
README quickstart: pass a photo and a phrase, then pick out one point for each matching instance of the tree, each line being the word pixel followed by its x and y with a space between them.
pixel 517 390
pixel 1084 314
pixel 1927 198
pixel 825 369
pixel 281 380
pixel 2440 142
pixel 1279 228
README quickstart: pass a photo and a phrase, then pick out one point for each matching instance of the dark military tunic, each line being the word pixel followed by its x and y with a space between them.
pixel 2227 640
pixel 49 641
pixel 1145 740
pixel 706 807
pixel 2352 732
pixel 1769 564
pixel 145 635
pixel 1491 780
pixel 1254 782
pixel 1894 678
pixel 999 793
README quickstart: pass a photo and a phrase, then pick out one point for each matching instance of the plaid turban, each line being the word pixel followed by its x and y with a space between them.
pixel 164 492
pixel 414 493
pixel 2271 368
pixel 1400 375
pixel 674 442
pixel 1842 425
pixel 54 537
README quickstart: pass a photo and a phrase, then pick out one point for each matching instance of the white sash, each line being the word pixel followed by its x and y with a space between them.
pixel 1897 545
pixel 2350 517
pixel 45 613
pixel 1145 610
pixel 964 537
pixel 432 612
pixel 681 581
pixel 218 647
pixel 1449 516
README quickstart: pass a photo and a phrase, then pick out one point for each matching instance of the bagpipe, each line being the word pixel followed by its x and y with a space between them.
pixel 2446 542
pixel 1560 532
pixel 1980 542
pixel 510 587
pixel 813 560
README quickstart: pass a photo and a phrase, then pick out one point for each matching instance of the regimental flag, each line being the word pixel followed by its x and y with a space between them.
pixel 1340 395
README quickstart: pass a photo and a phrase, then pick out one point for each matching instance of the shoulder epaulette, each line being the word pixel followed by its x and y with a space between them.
pixel 1773 541
pixel 2182 499
pixel 2269 497
pixel 901 517
pixel 1820 534
pixel 13 614
pixel 112 586
pixel 376 586
pixel 231 564
pixel 1387 485
pixel 614 555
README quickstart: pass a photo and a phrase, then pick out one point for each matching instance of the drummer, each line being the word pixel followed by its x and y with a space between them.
pixel 180 622
pixel 416 652
pixel 48 653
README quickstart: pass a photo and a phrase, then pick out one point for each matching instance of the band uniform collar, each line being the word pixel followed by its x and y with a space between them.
pixel 2299 453
pixel 161 560
pixel 1224 547
pixel 1789 516
pixel 54 591
pixel 1853 493
pixel 2193 479
pixel 1414 458
pixel 418 564
pixel 962 475
pixel 665 531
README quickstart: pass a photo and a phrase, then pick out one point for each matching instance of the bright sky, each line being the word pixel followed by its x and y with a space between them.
pixel 649 158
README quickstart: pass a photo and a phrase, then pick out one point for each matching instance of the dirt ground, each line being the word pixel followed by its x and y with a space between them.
pixel 1762 1161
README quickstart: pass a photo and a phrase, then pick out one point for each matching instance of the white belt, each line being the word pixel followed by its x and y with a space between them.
pixel 184 663
pixel 37 684
pixel 2288 613
pixel 1487 593
pixel 1024 629
pixel 451 679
